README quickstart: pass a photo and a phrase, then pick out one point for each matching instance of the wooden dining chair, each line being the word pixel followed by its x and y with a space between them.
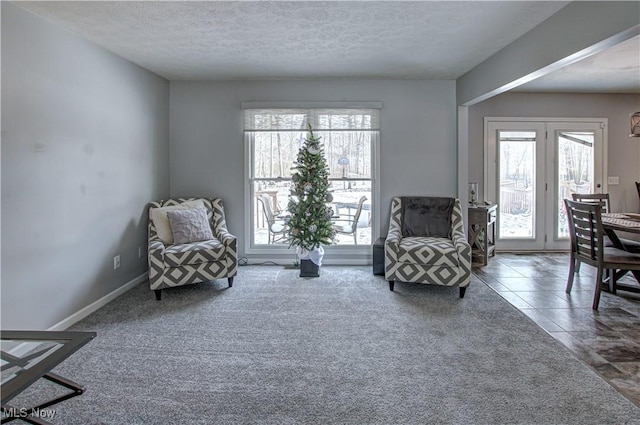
pixel 587 235
pixel 603 199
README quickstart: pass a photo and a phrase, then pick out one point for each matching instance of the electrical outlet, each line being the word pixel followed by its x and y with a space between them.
pixel 613 180
pixel 116 262
pixel 140 251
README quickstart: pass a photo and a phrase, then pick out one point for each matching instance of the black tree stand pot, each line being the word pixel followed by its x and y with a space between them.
pixel 309 269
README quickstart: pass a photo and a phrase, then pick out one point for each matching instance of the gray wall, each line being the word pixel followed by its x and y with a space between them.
pixel 417 149
pixel 623 151
pixel 84 149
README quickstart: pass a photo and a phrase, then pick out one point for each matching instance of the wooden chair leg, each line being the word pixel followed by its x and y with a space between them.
pixel 462 291
pixel 391 283
pixel 572 268
pixel 230 281
pixel 578 262
pixel 158 294
pixel 611 273
pixel 596 295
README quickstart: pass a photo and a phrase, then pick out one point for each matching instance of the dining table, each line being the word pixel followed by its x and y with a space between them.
pixel 613 224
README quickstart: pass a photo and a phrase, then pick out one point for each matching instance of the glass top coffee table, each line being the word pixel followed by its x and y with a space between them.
pixel 27 356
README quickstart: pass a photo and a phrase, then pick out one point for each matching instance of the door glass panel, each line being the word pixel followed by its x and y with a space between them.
pixel 575 171
pixel 531 166
pixel 517 177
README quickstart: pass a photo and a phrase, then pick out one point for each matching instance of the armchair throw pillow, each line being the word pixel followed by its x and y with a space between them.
pixel 426 216
pixel 161 222
pixel 189 225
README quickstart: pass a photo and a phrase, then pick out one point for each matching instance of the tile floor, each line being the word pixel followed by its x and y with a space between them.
pixel 608 340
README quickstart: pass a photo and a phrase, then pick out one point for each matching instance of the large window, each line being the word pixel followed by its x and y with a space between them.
pixel 349 137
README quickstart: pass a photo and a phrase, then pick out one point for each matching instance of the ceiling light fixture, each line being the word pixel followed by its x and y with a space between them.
pixel 635 125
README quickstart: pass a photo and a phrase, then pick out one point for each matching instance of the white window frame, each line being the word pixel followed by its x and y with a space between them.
pixel 334 254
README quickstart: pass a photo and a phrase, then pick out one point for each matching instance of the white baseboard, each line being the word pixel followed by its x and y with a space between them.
pixel 85 311
pixel 347 262
pixel 325 261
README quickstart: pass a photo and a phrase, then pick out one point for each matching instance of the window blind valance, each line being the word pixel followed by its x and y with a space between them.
pixel 297 119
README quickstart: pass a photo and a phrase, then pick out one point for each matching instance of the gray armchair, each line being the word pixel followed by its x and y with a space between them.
pixel 426 243
pixel 172 265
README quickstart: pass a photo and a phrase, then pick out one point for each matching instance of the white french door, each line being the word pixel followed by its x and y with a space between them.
pixel 530 167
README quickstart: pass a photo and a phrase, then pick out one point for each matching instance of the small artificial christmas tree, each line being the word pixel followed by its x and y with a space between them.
pixel 310 220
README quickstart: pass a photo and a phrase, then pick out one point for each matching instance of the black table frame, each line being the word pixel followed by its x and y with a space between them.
pixel 71 342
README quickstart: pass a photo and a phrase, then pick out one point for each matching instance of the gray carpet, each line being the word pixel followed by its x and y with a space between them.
pixel 341 348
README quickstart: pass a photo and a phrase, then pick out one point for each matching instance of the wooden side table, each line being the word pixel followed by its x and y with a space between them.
pixel 482 232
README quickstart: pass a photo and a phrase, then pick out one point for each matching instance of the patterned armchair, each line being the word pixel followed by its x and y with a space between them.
pixel 437 253
pixel 176 265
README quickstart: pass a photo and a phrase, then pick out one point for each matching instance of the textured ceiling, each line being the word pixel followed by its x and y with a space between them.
pixel 215 40
pixel 272 40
